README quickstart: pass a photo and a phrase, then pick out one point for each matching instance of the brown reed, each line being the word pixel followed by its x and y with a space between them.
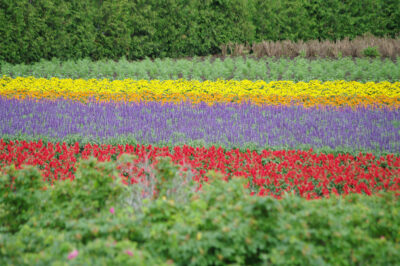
pixel 387 48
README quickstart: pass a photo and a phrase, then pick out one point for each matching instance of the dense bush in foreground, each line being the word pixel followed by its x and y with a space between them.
pixel 90 221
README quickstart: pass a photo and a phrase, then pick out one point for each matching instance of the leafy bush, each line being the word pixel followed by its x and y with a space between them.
pixel 48 247
pixel 20 190
pixel 225 225
pixel 371 52
pixel 96 187
pixel 221 224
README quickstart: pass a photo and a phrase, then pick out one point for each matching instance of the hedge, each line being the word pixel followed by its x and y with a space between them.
pixel 73 29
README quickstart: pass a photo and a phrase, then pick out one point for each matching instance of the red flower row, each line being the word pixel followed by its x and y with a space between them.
pixel 305 173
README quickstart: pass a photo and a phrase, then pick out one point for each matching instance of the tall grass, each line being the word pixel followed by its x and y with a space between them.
pixel 381 47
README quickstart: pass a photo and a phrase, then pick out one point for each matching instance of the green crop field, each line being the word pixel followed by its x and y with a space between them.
pixel 213 68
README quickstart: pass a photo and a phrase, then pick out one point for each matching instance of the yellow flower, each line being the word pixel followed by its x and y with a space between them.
pixel 337 93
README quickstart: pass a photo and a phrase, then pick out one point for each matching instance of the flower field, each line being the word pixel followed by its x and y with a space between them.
pixel 240 132
pixel 270 173
pixel 313 93
pixel 223 115
pixel 197 165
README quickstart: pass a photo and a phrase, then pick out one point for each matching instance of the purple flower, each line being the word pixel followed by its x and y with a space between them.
pixel 229 125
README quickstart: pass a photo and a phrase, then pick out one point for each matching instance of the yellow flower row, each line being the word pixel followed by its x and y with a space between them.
pixel 259 92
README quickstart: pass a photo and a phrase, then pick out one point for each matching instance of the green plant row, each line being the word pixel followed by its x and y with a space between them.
pixel 211 68
pixel 35 29
pixel 96 220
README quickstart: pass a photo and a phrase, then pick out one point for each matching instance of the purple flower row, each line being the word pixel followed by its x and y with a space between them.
pixel 226 124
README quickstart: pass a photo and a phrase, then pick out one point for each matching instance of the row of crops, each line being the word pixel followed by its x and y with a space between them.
pixel 200 162
pixel 274 173
pixel 213 68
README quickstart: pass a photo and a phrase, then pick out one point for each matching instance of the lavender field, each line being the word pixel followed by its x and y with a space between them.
pixel 228 125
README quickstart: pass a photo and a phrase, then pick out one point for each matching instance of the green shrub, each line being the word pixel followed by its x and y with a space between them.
pixel 20 192
pixel 224 225
pixel 95 189
pixel 221 224
pixel 371 52
pixel 48 247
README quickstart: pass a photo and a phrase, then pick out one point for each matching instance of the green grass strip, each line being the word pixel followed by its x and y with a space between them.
pixel 213 68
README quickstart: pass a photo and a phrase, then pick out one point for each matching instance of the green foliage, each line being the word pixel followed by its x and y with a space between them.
pixel 37 29
pixel 371 52
pixel 41 246
pixel 73 29
pixel 221 224
pixel 218 227
pixel 109 252
pixel 96 187
pixel 336 231
pixel 20 192
pixel 207 68
pixel 284 20
pixel 224 225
